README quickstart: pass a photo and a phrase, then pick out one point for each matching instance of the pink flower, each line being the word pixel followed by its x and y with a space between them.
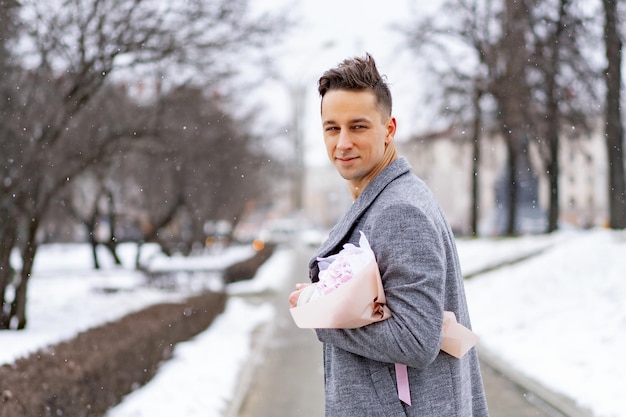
pixel 338 269
pixel 338 272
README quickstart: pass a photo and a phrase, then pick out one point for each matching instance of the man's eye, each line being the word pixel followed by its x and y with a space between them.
pixel 331 128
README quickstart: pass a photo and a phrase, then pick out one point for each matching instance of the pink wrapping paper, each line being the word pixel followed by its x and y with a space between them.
pixel 356 303
pixel 353 296
pixel 457 339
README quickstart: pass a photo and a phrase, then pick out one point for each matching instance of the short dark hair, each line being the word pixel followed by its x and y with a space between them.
pixel 358 74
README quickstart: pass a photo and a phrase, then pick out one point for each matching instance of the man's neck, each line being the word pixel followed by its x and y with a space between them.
pixel 357 188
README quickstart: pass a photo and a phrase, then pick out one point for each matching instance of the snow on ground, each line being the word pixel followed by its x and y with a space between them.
pixel 202 375
pixel 66 295
pixel 477 255
pixel 559 317
pixel 208 366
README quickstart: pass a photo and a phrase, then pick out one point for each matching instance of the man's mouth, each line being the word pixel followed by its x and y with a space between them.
pixel 344 158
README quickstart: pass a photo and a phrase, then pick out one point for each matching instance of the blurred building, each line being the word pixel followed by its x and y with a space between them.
pixel 444 161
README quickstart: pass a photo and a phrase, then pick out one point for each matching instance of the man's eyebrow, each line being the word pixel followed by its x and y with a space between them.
pixel 355 120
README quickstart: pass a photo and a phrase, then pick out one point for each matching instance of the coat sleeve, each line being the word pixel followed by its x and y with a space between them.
pixel 410 251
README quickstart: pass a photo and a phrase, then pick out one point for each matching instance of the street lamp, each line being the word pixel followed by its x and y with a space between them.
pixel 298 90
pixel 298 96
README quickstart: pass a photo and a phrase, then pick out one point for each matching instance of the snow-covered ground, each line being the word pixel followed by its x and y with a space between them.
pixel 66 295
pixel 558 317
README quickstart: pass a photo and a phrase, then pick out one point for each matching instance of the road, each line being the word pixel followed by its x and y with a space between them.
pixel 289 380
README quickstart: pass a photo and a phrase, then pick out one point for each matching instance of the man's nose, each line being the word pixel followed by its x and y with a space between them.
pixel 344 141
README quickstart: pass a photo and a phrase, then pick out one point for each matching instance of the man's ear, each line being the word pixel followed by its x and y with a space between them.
pixel 391 129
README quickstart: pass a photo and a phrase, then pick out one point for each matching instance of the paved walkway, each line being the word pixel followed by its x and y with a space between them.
pixel 288 380
pixel 285 377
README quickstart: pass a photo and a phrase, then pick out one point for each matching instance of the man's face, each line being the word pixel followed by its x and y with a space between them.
pixel 356 134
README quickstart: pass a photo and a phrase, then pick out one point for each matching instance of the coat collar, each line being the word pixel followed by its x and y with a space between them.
pixel 344 227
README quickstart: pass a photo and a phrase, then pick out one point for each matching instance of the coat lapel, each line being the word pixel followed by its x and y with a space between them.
pixel 340 233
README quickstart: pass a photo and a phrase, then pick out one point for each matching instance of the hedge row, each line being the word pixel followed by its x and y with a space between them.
pixel 247 269
pixel 94 371
pixel 89 374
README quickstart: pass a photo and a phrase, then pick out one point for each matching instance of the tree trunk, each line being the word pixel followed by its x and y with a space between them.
pixel 512 190
pixel 18 306
pixel 91 232
pixel 111 244
pixel 552 136
pixel 614 128
pixel 138 265
pixel 476 161
pixel 7 242
pixel 553 180
pixel 94 249
pixel 512 93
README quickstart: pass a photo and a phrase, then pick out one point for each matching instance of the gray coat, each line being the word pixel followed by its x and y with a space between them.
pixel 417 257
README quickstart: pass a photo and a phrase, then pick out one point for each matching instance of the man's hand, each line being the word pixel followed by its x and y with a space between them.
pixel 293 297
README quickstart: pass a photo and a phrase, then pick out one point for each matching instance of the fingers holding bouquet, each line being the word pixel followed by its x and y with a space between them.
pixel 295 295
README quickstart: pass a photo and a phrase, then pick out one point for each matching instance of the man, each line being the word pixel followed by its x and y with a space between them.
pixel 418 262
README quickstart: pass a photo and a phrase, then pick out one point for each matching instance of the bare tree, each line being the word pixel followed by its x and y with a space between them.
pixel 211 157
pixel 196 165
pixel 512 92
pixel 528 58
pixel 551 71
pixel 476 32
pixel 614 130
pixel 463 86
pixel 563 85
pixel 476 135
pixel 89 209
pixel 9 128
pixel 73 49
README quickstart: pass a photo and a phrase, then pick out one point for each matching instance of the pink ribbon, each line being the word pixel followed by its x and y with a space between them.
pixel 402 381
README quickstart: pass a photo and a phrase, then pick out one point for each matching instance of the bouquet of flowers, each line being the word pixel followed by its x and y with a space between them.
pixel 350 294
